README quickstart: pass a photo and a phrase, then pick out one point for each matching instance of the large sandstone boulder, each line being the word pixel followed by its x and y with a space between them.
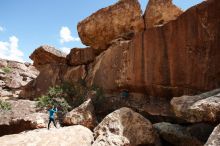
pixel 22 116
pixel 181 57
pixel 82 115
pixel 51 75
pixel 127 124
pixel 195 135
pixel 198 108
pixel 107 24
pixel 47 55
pixel 81 56
pixel 160 12
pixel 68 136
pixel 214 137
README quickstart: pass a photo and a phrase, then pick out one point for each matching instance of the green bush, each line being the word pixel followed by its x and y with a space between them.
pixel 6 69
pixel 5 106
pixel 69 95
pixel 54 97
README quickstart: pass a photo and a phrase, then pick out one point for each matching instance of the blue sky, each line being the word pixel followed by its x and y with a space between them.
pixel 27 24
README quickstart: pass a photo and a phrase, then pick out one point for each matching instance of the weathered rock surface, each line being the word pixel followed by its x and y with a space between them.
pixel 82 115
pixel 81 56
pixel 214 137
pixel 111 140
pixel 47 55
pixel 51 75
pixel 68 136
pixel 181 57
pixel 128 124
pixel 178 135
pixel 198 108
pixel 22 116
pixel 160 12
pixel 107 24
pixel 13 76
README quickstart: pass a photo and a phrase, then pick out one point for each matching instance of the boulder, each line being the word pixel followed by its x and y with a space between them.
pixel 67 136
pixel 198 108
pixel 47 55
pixel 107 24
pixel 160 12
pixel 80 56
pixel 161 64
pixel 111 140
pixel 127 124
pixel 22 116
pixel 195 135
pixel 51 75
pixel 214 137
pixel 82 115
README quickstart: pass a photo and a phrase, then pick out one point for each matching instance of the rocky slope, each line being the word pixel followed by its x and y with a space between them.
pixel 14 76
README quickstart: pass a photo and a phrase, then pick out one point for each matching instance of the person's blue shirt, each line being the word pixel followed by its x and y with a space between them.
pixel 51 112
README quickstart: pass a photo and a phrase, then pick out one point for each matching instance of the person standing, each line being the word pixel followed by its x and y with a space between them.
pixel 52 111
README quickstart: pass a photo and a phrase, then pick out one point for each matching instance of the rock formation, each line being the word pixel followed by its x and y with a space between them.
pixel 82 115
pixel 178 135
pixel 160 12
pixel 80 56
pixel 22 116
pixel 178 58
pixel 105 25
pixel 54 70
pixel 13 76
pixel 198 108
pixel 138 66
pixel 128 124
pixel 68 136
pixel 47 55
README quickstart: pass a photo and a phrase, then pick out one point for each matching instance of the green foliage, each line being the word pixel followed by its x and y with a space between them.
pixel 99 99
pixel 69 95
pixel 54 97
pixel 7 69
pixel 5 106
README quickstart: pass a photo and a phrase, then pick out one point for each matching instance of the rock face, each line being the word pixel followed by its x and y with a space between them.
pixel 51 75
pixel 181 57
pixel 82 115
pixel 182 136
pixel 128 124
pixel 214 137
pixel 47 55
pixel 13 76
pixel 111 140
pixel 107 24
pixel 159 12
pixel 22 116
pixel 81 56
pixel 68 136
pixel 198 108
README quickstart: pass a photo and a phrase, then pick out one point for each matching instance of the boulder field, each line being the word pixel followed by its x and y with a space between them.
pixel 159 72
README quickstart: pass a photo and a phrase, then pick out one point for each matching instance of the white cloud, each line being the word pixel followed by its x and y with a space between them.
pixel 9 50
pixel 1 29
pixel 65 50
pixel 66 36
